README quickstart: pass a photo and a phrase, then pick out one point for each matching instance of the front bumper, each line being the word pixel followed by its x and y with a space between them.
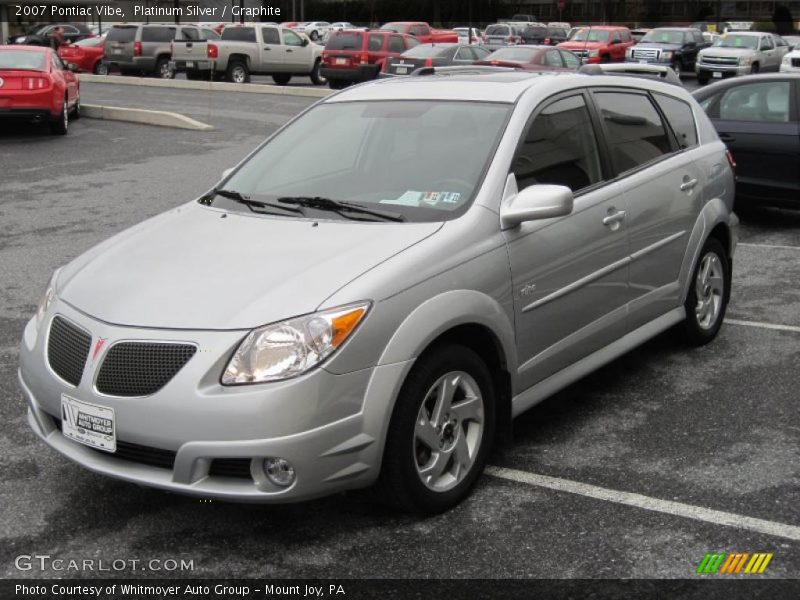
pixel 329 427
pixel 707 71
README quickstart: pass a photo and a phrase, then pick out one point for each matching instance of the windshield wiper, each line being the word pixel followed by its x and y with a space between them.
pixel 253 205
pixel 340 207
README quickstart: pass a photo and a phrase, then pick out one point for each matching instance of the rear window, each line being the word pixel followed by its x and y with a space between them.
pixel 121 34
pixel 158 34
pixel 535 32
pixel 345 41
pixel 497 30
pixel 21 60
pixel 239 34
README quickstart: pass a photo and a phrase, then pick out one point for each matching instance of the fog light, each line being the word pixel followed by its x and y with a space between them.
pixel 279 471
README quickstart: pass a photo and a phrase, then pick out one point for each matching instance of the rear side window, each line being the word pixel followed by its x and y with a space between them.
pixel 208 34
pixel 345 41
pixel 190 34
pixel 679 115
pixel 396 44
pixel 636 135
pixel 121 34
pixel 271 36
pixel 375 43
pixel 559 148
pixel 497 30
pixel 766 102
pixel 158 34
pixel 239 34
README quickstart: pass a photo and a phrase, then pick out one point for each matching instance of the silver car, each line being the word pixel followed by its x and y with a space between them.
pixel 375 292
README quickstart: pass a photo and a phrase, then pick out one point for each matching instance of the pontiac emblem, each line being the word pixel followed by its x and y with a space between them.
pixel 98 346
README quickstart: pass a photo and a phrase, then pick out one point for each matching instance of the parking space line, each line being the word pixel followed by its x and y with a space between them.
pixel 688 511
pixel 777 246
pixel 792 328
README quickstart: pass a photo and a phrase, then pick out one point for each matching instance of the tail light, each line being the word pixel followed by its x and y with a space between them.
pixel 729 156
pixel 428 62
pixel 546 41
pixel 364 58
pixel 513 39
pixel 35 83
pixel 325 57
pixel 212 51
pixel 137 48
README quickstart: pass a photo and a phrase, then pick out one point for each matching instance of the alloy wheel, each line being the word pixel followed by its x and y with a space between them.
pixel 710 290
pixel 448 431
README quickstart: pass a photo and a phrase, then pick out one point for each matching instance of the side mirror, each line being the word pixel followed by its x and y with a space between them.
pixel 226 172
pixel 536 202
pixel 72 67
pixel 305 42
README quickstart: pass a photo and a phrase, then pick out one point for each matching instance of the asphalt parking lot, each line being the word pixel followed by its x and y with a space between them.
pixel 623 475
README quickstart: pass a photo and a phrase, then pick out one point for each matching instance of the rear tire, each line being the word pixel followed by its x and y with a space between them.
pixel 316 76
pixel 709 292
pixel 281 78
pixel 162 69
pixel 314 36
pixel 76 110
pixel 441 431
pixel 60 126
pixel 238 72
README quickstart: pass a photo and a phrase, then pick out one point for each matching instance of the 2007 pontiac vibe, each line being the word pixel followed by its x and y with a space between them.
pixel 378 289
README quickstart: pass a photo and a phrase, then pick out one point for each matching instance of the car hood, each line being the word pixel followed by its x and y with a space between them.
pixel 582 45
pixel 727 51
pixel 658 45
pixel 201 268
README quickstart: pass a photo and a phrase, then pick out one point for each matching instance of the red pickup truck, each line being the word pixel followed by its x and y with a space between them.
pixel 601 43
pixel 423 32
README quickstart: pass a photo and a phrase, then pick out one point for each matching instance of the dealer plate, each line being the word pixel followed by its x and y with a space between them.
pixel 402 70
pixel 340 61
pixel 716 74
pixel 90 424
pixel 189 64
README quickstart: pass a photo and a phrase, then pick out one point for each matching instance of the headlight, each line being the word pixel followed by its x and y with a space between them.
pixel 786 60
pixel 667 54
pixel 47 299
pixel 745 60
pixel 594 53
pixel 629 52
pixel 19 40
pixel 290 348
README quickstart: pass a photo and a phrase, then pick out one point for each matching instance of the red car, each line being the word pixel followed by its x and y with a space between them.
pixel 86 54
pixel 601 43
pixel 423 32
pixel 533 58
pixel 37 86
pixel 352 56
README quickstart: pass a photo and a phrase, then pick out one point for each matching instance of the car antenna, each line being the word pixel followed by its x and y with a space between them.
pixel 585 59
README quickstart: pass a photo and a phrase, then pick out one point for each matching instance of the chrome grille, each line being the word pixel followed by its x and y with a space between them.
pixel 67 349
pixel 141 368
pixel 796 62
pixel 646 53
pixel 719 60
pixel 580 53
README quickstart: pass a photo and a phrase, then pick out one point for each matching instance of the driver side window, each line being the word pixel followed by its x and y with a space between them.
pixel 290 38
pixel 559 148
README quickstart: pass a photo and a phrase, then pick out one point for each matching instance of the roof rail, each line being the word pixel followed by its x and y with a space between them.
pixel 460 69
pixel 646 71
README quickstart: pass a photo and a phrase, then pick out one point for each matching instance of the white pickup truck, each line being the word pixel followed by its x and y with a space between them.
pixel 258 49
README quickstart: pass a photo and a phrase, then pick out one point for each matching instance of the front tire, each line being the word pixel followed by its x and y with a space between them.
pixel 754 68
pixel 709 292
pixel 441 431
pixel 316 76
pixel 678 68
pixel 100 68
pixel 702 80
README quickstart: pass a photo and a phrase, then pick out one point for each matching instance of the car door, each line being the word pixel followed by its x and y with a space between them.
pixel 758 121
pixel 569 274
pixel 663 188
pixel 767 49
pixel 464 56
pixel 297 57
pixel 552 59
pixel 272 51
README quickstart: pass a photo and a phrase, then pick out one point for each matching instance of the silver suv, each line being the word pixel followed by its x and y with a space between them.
pixel 147 49
pixel 376 291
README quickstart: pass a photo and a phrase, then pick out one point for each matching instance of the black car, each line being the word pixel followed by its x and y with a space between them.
pixel 672 46
pixel 40 35
pixel 758 118
pixel 433 55
pixel 538 35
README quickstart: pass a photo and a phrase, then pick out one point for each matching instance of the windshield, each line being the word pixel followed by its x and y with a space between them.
pixel 121 34
pixel 345 41
pixel 23 61
pixel 664 37
pixel 589 35
pixel 497 30
pixel 731 40
pixel 515 54
pixel 421 159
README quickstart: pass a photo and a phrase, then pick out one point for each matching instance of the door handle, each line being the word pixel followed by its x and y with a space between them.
pixel 688 184
pixel 267 48
pixel 614 217
pixel 289 50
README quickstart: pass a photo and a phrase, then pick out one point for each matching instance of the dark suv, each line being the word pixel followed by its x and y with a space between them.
pixel 352 56
pixel 673 46
pixel 540 35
